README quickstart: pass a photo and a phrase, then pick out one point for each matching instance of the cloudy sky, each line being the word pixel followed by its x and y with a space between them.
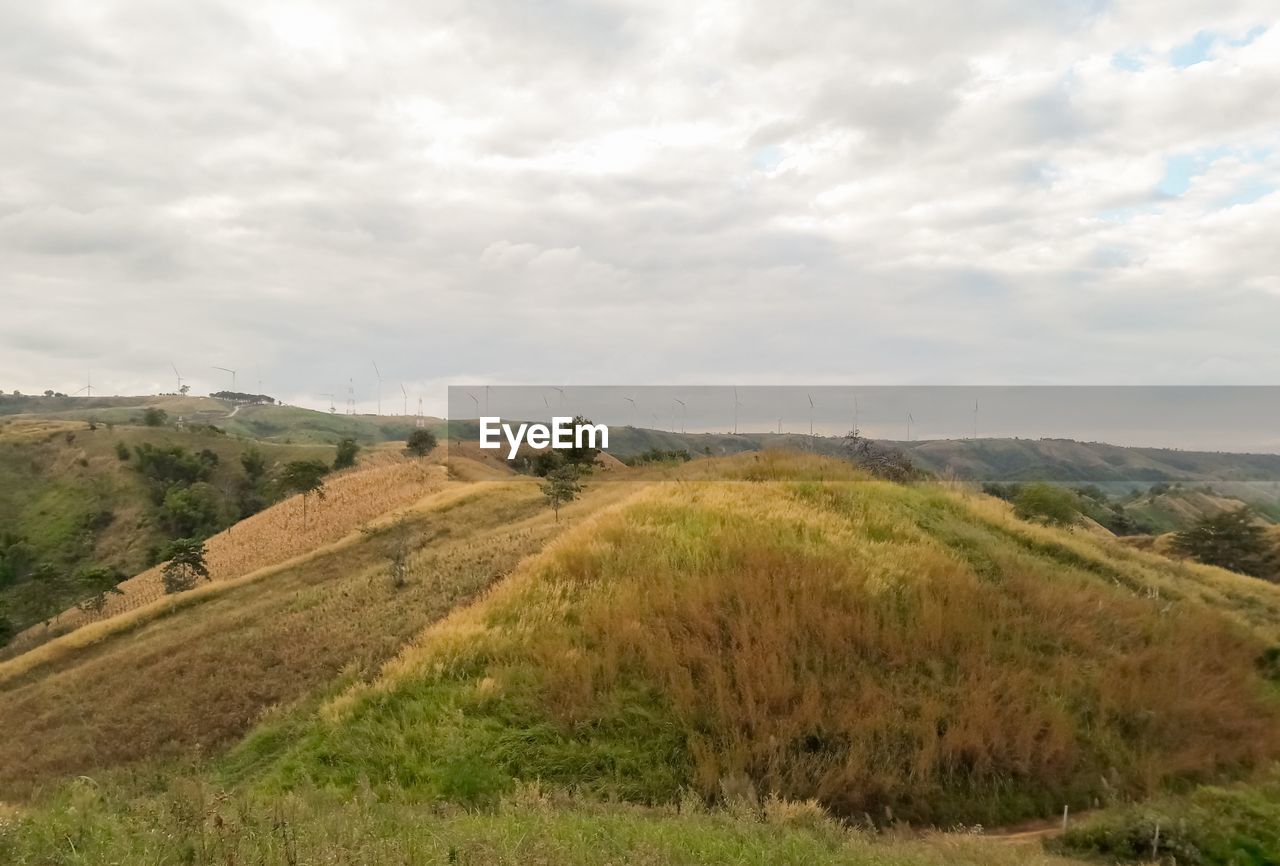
pixel 637 191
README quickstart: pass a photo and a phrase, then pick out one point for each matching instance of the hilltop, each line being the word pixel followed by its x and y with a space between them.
pixel 263 422
pixel 759 625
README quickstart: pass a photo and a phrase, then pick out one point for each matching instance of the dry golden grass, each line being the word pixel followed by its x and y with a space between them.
pixel 26 429
pixel 186 674
pixel 277 534
pixel 872 646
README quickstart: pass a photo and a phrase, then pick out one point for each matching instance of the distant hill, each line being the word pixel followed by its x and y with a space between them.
pixel 268 423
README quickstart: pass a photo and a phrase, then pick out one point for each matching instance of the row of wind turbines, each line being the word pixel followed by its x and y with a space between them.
pixel 737 406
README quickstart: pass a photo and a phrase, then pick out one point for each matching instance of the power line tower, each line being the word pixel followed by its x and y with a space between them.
pixel 351 397
pixel 420 421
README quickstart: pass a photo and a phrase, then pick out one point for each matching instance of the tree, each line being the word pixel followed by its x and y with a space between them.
pixel 580 456
pixel 1047 503
pixel 1231 540
pixel 421 442
pixel 347 450
pixel 255 465
pixel 16 558
pixel 184 390
pixel 99 582
pixel 878 460
pixel 305 477
pixel 561 486
pixel 44 593
pixel 185 565
pixel 192 511
pixel 154 417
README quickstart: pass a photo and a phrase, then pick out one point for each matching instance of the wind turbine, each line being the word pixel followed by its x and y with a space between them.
pixel 233 375
pixel 910 420
pixel 975 419
pixel 736 404
pixel 561 390
pixel 632 401
pixel 684 412
pixel 406 399
pixel 810 396
pixel 179 375
pixel 378 373
pixel 475 400
pixel 87 390
pixel 855 414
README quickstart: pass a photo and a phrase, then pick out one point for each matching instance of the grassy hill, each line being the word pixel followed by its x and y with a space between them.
pixel 268 423
pixel 71 502
pixel 748 636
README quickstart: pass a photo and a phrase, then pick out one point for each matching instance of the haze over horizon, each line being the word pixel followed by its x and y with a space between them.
pixel 994 193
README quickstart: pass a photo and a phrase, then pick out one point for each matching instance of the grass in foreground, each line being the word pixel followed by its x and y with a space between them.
pixel 199 826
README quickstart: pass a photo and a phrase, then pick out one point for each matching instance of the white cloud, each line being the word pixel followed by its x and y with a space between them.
pixel 637 191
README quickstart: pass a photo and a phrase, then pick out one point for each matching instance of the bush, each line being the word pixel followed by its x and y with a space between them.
pixel 122 452
pixel 421 442
pixel 347 450
pixel 154 417
pixel 1047 503
pixel 1236 826
pixel 194 511
pixel 185 566
pixel 1232 540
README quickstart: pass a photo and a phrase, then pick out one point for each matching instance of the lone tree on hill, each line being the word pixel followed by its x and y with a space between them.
pixel 561 486
pixel 878 460
pixel 347 450
pixel 1231 540
pixel 305 477
pixel 99 582
pixel 421 442
pixel 185 567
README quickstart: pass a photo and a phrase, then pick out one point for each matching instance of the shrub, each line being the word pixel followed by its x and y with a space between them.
pixel 122 452
pixel 154 417
pixel 185 566
pixel 1047 503
pixel 1233 826
pixel 882 462
pixel 255 465
pixel 421 442
pixel 1232 540
pixel 346 457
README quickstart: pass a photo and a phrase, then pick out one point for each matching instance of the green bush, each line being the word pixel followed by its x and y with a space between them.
pixel 1047 503
pixel 1236 826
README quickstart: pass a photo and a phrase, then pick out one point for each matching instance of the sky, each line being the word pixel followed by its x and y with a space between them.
pixel 636 192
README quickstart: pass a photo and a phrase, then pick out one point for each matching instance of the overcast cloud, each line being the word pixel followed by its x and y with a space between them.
pixel 996 191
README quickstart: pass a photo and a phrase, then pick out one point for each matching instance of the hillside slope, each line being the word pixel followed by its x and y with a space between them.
pixel 788 626
pixel 68 501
